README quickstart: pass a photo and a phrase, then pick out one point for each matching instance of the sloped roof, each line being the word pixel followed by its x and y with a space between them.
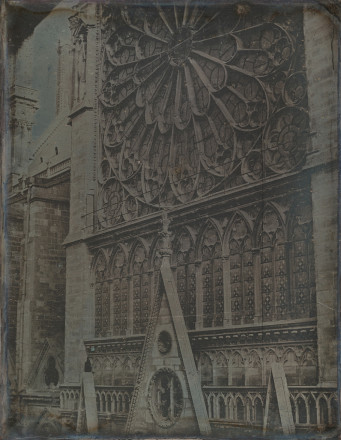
pixel 53 146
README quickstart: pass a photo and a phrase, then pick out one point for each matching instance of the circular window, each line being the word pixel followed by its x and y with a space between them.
pixel 164 342
pixel 165 397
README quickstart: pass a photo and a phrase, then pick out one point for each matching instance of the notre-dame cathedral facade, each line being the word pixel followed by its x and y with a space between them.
pixel 181 239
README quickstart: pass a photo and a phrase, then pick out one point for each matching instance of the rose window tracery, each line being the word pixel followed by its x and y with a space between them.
pixel 195 99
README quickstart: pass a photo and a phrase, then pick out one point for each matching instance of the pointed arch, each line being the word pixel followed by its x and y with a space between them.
pixel 240 409
pixel 259 412
pixel 205 369
pixel 302 260
pixel 221 408
pixel 323 410
pixel 120 291
pixel 118 372
pixel 184 260
pixel 308 369
pixel 254 369
pixel 312 410
pixel 270 358
pixel 107 372
pixel 128 369
pixel 271 240
pixel 334 411
pixel 221 370
pixel 100 266
pixel 301 409
pixel 210 251
pixel 237 370
pixel 239 247
pixel 102 295
pixel 141 286
pixel 291 367
pixel 248 409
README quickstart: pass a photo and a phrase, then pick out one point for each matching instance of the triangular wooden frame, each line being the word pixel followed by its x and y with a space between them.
pixel 185 349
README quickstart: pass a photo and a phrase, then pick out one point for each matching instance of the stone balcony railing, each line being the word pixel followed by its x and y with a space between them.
pixel 110 399
pixel 311 405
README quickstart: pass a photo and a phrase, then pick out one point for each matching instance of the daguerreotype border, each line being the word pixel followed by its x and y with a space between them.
pixel 170 187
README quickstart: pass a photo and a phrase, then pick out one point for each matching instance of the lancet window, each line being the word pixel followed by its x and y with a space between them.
pixel 120 293
pixel 102 298
pixel 241 273
pixel 141 289
pixel 274 272
pixel 303 271
pixel 186 277
pixel 212 279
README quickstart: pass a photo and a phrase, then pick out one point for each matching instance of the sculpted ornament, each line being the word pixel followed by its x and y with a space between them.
pixel 194 100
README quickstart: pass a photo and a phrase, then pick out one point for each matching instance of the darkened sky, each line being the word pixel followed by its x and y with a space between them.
pixel 37 62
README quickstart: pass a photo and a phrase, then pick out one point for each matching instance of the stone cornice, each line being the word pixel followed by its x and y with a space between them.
pixel 286 332
pixel 115 345
pixel 295 331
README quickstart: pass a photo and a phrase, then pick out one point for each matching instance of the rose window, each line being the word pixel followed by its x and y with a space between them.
pixel 195 100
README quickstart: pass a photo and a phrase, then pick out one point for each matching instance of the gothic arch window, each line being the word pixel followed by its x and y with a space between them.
pixel 186 276
pixel 270 358
pixel 308 370
pixel 293 408
pixel 156 260
pixel 51 375
pixel 97 371
pixel 212 278
pixel 302 410
pixel 114 403
pixel 323 411
pixel 120 286
pixel 248 409
pixel 241 273
pixel 302 267
pixel 334 408
pixel 258 412
pixel 221 370
pixel 103 403
pixel 211 406
pixel 273 261
pixel 237 370
pixel 240 409
pixel 229 408
pixel 205 369
pixel 222 408
pixel 254 370
pixel 128 372
pixel 291 367
pixel 141 289
pixel 118 372
pixel 120 403
pixel 312 410
pixel 102 297
pixel 126 403
pixel 108 403
pixel 107 373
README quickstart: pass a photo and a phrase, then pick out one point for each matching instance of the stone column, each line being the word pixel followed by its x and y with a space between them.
pixel 324 198
pixel 257 285
pixel 199 299
pixel 79 320
pixel 227 291
pixel 322 66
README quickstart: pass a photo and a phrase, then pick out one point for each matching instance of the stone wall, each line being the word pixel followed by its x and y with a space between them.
pixel 42 306
pixel 15 237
